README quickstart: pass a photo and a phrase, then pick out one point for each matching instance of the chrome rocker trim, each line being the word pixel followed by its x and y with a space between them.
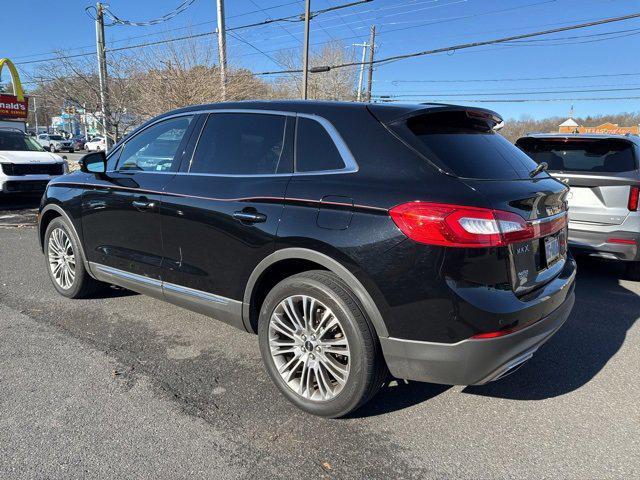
pixel 221 308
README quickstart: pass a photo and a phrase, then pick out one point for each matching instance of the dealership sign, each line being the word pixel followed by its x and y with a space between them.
pixel 16 106
pixel 13 109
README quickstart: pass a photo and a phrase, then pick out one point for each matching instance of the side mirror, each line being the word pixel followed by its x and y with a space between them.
pixel 95 162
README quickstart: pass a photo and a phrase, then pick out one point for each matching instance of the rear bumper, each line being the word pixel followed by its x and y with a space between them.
pixel 471 362
pixel 595 244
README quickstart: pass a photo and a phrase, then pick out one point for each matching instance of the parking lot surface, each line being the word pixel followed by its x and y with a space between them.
pixel 122 385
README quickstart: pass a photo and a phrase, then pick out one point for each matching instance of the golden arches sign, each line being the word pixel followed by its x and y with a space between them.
pixel 15 78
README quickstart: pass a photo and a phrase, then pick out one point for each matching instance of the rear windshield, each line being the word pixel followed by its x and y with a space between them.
pixel 581 155
pixel 465 146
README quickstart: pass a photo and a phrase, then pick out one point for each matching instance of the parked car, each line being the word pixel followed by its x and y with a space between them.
pixel 351 238
pixel 55 143
pixel 79 142
pixel 96 144
pixel 24 165
pixel 602 171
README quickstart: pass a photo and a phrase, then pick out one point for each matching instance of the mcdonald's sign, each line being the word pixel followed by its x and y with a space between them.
pixel 16 106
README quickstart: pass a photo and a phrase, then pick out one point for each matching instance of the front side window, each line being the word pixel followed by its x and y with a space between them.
pixel 154 149
pixel 315 150
pixel 240 144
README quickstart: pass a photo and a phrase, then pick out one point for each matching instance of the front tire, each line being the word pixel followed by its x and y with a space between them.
pixel 65 263
pixel 317 345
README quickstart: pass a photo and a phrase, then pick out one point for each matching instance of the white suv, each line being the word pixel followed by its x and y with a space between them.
pixel 24 165
pixel 55 143
pixel 95 144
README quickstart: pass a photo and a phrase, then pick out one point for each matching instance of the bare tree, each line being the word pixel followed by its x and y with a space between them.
pixel 336 84
pixel 74 82
pixel 176 74
pixel 516 128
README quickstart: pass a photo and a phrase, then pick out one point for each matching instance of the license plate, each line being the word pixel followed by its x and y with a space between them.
pixel 551 249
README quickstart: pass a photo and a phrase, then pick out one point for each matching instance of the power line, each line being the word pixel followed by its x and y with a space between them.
pixel 478 44
pixel 168 16
pixel 524 100
pixel 521 79
pixel 487 94
pixel 290 18
pixel 159 32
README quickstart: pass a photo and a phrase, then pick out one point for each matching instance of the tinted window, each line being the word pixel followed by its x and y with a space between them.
pixel 315 150
pixel 466 147
pixel 581 155
pixel 154 149
pixel 240 144
pixel 55 137
pixel 18 142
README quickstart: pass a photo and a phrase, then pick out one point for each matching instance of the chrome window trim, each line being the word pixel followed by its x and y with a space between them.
pixel 123 145
pixel 351 166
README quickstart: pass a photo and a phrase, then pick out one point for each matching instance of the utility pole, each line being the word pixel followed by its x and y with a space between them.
pixel 102 71
pixel 305 50
pixel 84 121
pixel 35 113
pixel 364 46
pixel 222 49
pixel 372 48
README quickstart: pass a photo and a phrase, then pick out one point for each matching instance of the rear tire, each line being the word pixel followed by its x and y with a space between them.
pixel 65 263
pixel 633 271
pixel 317 345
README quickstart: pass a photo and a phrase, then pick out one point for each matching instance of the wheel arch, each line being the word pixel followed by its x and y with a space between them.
pixel 47 215
pixel 313 260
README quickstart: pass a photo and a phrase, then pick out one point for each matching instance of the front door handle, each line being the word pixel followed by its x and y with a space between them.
pixel 144 204
pixel 250 217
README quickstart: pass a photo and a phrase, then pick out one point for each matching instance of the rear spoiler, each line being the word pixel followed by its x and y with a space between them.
pixel 390 114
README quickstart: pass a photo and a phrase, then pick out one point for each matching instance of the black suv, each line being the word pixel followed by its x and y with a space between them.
pixel 354 239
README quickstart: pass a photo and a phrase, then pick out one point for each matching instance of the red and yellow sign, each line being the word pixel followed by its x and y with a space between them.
pixel 12 108
pixel 16 106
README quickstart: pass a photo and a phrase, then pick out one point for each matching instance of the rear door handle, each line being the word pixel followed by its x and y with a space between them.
pixel 250 217
pixel 143 204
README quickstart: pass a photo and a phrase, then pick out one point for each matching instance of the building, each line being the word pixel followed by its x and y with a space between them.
pixel 571 126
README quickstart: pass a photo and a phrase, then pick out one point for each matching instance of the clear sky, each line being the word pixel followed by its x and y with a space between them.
pixel 607 55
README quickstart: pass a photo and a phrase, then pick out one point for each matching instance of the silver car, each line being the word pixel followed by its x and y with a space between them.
pixel 55 143
pixel 602 171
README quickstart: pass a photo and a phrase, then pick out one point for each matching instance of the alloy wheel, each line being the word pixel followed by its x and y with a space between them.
pixel 62 260
pixel 309 347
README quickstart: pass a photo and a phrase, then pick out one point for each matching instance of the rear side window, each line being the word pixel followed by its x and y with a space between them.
pixel 581 155
pixel 240 144
pixel 315 150
pixel 465 147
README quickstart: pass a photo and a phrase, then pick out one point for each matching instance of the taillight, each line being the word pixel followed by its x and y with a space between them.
pixel 470 227
pixel 634 193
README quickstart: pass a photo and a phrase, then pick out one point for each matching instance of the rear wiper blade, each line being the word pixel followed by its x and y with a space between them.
pixel 542 166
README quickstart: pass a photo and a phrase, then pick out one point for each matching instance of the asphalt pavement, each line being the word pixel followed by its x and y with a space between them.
pixel 125 386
